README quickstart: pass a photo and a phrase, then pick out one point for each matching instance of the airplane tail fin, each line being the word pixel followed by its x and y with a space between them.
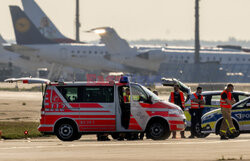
pixel 43 23
pixel 2 41
pixel 25 30
pixel 114 43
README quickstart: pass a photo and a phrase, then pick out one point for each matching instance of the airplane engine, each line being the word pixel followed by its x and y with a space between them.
pixel 153 55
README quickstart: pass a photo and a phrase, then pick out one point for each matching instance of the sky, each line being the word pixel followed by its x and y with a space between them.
pixel 143 19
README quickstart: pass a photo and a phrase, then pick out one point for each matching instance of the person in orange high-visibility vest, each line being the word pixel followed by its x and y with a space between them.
pixel 197 105
pixel 177 97
pixel 226 102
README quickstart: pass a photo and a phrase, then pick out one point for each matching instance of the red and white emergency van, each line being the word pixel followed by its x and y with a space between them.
pixel 70 109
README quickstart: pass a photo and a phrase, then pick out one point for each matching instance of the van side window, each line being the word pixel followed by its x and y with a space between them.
pixel 69 93
pixel 103 94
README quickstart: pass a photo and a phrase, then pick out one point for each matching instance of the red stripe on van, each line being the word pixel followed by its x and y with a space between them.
pixel 175 122
pixel 86 105
pixel 97 116
pixel 157 105
pixel 133 125
pixel 45 129
pixel 158 113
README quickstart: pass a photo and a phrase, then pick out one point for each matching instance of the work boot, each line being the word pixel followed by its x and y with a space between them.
pixel 183 135
pixel 223 137
pixel 191 137
pixel 141 136
pixel 174 135
pixel 233 135
pixel 104 138
pixel 120 139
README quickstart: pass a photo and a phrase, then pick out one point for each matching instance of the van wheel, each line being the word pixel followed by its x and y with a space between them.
pixel 78 136
pixel 158 131
pixel 67 132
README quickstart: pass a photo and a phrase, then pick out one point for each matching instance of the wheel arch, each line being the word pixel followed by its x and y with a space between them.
pixel 65 119
pixel 157 118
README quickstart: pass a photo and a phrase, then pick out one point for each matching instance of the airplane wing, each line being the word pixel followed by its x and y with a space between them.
pixel 28 80
pixel 114 43
pixel 18 48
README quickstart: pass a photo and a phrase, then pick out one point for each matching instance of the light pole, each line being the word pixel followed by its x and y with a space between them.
pixel 197 33
pixel 77 22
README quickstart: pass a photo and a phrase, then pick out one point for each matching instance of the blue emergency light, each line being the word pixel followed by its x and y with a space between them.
pixel 124 79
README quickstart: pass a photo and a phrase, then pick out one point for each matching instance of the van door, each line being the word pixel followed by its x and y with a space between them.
pixel 139 117
pixel 123 107
pixel 97 109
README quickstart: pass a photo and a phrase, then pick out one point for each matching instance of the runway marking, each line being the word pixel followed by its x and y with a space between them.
pixel 119 144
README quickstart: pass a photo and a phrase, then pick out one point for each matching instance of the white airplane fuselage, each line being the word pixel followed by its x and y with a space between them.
pixel 222 57
pixel 27 64
pixel 90 57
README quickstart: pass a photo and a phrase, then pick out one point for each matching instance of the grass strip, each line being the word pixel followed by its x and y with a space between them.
pixel 16 130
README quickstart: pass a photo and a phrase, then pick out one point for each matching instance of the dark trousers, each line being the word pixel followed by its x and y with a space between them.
pixel 195 118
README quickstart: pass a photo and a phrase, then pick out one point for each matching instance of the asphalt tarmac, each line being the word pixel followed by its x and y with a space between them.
pixel 87 148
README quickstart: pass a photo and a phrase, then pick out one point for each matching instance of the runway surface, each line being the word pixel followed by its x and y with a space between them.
pixel 87 148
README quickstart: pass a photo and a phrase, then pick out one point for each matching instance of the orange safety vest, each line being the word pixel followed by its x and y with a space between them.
pixel 223 102
pixel 195 105
pixel 182 98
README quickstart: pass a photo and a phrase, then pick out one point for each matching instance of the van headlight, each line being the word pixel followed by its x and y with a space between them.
pixel 175 112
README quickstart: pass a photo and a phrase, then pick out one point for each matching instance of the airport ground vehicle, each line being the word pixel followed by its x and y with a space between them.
pixel 212 101
pixel 211 121
pixel 71 109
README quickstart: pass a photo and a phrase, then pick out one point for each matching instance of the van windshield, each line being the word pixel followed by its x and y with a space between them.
pixel 150 93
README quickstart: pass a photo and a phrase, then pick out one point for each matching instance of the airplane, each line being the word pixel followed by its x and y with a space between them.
pixel 30 64
pixel 26 64
pixel 227 62
pixel 31 42
pixel 48 29
pixel 43 23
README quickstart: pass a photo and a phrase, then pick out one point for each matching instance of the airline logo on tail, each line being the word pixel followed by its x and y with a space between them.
pixel 46 28
pixel 22 25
